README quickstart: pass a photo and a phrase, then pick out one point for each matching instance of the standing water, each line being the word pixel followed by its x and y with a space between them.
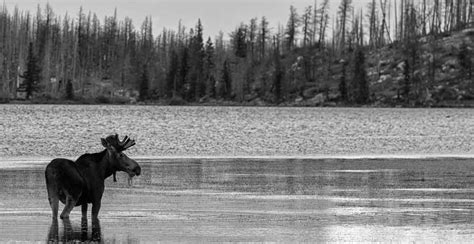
pixel 325 200
pixel 233 197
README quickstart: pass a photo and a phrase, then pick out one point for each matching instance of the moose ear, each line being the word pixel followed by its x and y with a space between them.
pixel 104 143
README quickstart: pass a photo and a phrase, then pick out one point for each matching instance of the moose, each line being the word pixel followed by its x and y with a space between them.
pixel 82 182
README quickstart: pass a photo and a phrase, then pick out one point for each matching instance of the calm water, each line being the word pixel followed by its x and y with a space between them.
pixel 328 200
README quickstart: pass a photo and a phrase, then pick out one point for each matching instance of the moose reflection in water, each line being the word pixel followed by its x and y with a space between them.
pixel 72 234
pixel 81 182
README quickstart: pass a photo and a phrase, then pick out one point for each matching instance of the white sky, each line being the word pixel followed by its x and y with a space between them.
pixel 215 15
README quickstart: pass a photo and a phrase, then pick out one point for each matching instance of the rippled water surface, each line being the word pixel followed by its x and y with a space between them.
pixel 54 130
pixel 332 200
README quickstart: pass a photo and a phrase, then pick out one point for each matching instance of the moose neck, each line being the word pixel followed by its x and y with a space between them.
pixel 107 166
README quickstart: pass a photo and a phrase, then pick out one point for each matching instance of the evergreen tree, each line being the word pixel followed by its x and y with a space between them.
pixel 32 74
pixel 239 41
pixel 171 76
pixel 69 90
pixel 360 81
pixel 278 76
pixel 411 51
pixel 183 72
pixel 252 37
pixel 226 80
pixel 263 36
pixel 197 58
pixel 342 83
pixel 209 68
pixel 144 86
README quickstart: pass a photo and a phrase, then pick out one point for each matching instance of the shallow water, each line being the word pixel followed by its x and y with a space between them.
pixel 326 200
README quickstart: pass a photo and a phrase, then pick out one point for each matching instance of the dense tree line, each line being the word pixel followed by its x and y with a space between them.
pixel 77 56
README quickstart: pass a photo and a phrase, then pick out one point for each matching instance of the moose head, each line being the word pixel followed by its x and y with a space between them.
pixel 118 159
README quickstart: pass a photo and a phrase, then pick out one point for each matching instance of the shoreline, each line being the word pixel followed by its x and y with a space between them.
pixel 15 162
pixel 445 104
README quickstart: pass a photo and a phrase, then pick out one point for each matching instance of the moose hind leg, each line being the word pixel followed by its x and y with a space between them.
pixel 54 203
pixel 53 199
pixel 71 201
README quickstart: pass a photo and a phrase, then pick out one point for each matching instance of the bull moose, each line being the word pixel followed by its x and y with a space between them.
pixel 82 182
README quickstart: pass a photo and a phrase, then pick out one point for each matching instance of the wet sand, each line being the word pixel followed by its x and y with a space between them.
pixel 291 200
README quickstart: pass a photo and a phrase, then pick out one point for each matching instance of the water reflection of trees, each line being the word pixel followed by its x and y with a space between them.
pixel 173 175
pixel 22 181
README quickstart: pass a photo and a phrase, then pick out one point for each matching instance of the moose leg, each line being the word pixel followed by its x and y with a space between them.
pixel 95 210
pixel 84 224
pixel 68 232
pixel 53 234
pixel 84 210
pixel 53 199
pixel 70 203
pixel 72 196
pixel 96 233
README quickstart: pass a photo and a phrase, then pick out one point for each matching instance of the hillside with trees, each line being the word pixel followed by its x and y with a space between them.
pixel 391 53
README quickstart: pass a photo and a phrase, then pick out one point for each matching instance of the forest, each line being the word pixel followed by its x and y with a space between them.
pixel 389 53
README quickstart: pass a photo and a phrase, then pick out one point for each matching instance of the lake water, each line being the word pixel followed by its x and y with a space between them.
pixel 331 200
pixel 248 174
pixel 54 130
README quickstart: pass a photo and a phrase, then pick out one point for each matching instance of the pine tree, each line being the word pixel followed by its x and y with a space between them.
pixel 69 90
pixel 183 72
pixel 252 37
pixel 226 80
pixel 278 76
pixel 343 83
pixel 360 82
pixel 32 74
pixel 144 86
pixel 197 59
pixel 171 76
pixel 239 41
pixel 411 51
pixel 263 37
pixel 209 66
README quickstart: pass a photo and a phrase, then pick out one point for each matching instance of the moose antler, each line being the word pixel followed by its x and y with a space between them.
pixel 125 143
pixel 120 145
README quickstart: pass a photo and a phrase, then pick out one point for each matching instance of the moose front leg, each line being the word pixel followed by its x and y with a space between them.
pixel 84 210
pixel 95 210
pixel 84 223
